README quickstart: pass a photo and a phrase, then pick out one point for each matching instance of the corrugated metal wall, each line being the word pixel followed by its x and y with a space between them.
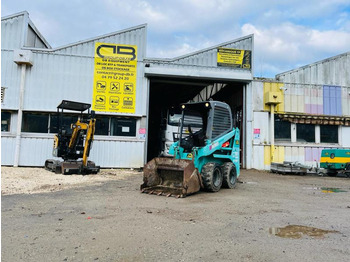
pixel 53 78
pixel 306 155
pixel 106 153
pixel 10 78
pixel 203 64
pixel 12 31
pixel 64 73
pixel 33 40
pixel 7 149
pixel 132 36
pixel 317 99
pixel 345 136
pixel 208 57
pixel 331 71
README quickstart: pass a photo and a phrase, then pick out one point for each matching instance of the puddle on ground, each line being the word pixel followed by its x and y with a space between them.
pixel 296 232
pixel 332 190
pixel 327 189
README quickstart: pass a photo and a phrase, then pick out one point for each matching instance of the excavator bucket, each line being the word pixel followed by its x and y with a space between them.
pixel 170 177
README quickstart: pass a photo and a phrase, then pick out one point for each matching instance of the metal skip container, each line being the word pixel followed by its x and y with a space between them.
pixel 170 177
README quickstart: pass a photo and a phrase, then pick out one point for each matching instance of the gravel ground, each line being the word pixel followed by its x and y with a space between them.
pixel 104 217
pixel 38 180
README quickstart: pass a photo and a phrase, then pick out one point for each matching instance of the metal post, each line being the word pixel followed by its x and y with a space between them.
pixel 272 132
pixel 19 116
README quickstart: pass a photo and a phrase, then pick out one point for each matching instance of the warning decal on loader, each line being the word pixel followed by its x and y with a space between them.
pixel 115 78
pixel 234 58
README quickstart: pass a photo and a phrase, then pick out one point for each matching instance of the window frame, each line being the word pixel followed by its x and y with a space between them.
pixel 336 132
pixel 51 122
pixel 285 139
pixel 10 121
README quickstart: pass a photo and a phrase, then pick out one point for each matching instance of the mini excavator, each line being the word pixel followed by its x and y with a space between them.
pixel 73 142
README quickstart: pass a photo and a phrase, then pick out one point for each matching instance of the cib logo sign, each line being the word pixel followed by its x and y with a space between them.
pixel 122 52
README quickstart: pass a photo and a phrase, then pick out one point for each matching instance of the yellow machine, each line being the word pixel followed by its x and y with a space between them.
pixel 73 142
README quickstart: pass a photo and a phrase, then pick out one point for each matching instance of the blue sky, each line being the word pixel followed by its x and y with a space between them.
pixel 288 34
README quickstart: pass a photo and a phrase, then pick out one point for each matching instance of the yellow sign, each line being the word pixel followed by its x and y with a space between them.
pixel 115 78
pixel 234 58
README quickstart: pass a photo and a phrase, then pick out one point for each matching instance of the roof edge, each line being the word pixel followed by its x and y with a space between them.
pixel 213 47
pixel 101 36
pixel 315 63
pixel 14 15
pixel 28 22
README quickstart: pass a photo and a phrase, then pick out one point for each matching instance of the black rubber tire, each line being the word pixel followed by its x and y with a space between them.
pixel 212 177
pixel 229 173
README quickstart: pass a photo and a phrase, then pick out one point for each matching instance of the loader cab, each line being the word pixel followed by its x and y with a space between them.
pixel 213 119
pixel 170 128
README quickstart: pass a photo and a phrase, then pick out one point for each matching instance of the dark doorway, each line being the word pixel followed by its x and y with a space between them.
pixel 166 93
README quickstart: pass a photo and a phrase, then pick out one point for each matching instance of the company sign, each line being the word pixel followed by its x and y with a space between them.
pixel 234 58
pixel 115 78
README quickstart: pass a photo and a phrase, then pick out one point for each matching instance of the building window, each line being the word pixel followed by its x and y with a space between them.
pixel 5 121
pixel 282 129
pixel 102 126
pixel 48 123
pixel 305 133
pixel 329 134
pixel 123 127
pixel 35 122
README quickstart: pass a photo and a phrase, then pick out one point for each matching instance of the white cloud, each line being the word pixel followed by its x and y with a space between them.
pixel 287 45
pixel 287 33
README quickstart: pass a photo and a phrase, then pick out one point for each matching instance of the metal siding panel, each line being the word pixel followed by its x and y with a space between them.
pixel 346 101
pixel 301 100
pixel 34 151
pixel 331 71
pixel 308 154
pixel 258 157
pixel 345 136
pixel 326 100
pixel 57 77
pixel 119 154
pixel 11 32
pixel 319 100
pixel 10 78
pixel 7 150
pixel 287 153
pixel 134 36
pixel 332 101
pixel 208 57
pixel 261 120
pixel 307 100
pixel 105 153
pixel 258 96
pixel 338 101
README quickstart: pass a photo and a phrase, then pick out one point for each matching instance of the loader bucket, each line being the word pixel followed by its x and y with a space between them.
pixel 170 177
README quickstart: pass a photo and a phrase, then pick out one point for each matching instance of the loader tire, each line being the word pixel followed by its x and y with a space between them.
pixel 212 177
pixel 229 174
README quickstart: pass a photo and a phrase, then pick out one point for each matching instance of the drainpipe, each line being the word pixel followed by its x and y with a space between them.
pixel 22 58
pixel 272 132
pixel 20 114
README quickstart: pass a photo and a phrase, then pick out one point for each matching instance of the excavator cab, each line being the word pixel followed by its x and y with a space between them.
pixel 73 141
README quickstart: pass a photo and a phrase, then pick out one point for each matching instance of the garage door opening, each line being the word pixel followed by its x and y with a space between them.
pixel 166 95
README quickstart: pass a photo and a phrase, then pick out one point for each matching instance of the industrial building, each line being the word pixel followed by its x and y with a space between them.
pixel 306 109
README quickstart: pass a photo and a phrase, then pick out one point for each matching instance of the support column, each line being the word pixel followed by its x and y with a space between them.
pixel 272 132
pixel 19 116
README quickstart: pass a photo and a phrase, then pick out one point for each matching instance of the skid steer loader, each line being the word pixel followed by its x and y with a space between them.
pixel 206 159
pixel 73 141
